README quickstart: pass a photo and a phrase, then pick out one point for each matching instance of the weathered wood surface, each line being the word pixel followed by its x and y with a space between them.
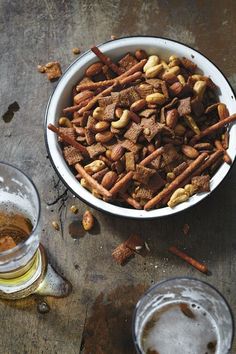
pixel 97 315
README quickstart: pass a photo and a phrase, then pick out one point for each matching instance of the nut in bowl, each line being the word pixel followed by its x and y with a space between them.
pixel 149 134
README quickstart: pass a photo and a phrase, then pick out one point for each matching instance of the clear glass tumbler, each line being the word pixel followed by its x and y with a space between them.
pixel 182 315
pixel 24 268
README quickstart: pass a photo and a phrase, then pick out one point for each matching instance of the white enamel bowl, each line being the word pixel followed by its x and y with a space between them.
pixel 61 98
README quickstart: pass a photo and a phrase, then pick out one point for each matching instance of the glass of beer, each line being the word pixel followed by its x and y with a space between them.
pixel 182 316
pixel 23 262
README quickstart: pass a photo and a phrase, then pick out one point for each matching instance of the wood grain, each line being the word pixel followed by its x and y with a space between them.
pixel 35 32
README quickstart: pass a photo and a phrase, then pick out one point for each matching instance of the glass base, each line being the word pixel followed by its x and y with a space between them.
pixel 39 278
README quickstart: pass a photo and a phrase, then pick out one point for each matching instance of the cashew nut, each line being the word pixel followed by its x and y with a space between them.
pixel 123 121
pixel 154 71
pixel 156 98
pixel 65 122
pixel 152 61
pixel 95 166
pixel 98 113
pixel 190 189
pixel 199 89
pixel 179 196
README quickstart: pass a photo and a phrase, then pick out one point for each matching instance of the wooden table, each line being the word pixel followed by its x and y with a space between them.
pixel 96 317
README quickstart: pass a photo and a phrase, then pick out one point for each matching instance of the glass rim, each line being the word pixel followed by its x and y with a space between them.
pixel 27 241
pixel 158 284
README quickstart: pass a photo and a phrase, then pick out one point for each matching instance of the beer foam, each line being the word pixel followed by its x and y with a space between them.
pixel 168 330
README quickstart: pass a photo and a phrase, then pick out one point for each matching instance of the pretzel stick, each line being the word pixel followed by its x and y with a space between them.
pixel 176 182
pixel 95 99
pixel 68 139
pixel 225 140
pixel 108 90
pixel 124 180
pixel 131 201
pixel 208 163
pixel 152 156
pixel 95 85
pixel 193 262
pixel 107 61
pixel 212 129
pixel 75 108
pixel 93 183
pixel 226 157
pixel 121 183
pixel 130 78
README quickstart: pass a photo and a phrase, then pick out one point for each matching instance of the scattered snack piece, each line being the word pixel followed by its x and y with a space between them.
pixel 186 229
pixel 6 243
pixel 193 262
pixel 41 69
pixel 88 220
pixel 134 242
pixel 76 51
pixel 113 37
pixel 74 209
pixel 122 253
pixel 52 69
pixel 55 225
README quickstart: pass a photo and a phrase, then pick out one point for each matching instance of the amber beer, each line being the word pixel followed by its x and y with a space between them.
pixel 24 268
pixel 182 316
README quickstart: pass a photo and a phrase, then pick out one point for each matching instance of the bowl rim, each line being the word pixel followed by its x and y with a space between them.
pixel 86 201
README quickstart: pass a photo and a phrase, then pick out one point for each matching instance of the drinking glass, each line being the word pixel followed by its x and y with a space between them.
pixel 24 269
pixel 198 295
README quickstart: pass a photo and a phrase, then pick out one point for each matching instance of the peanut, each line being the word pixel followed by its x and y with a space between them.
pixel 181 79
pixel 156 98
pixel 101 126
pixel 98 113
pixel 154 71
pixel 123 121
pixel 152 61
pixel 174 70
pixel 118 112
pixel 94 69
pixel 174 62
pixel 189 151
pixel 164 64
pixel 138 105
pixel 172 118
pixel 65 122
pixel 199 89
pixel 179 130
pixel 117 152
pixel 192 124
pixel 108 154
pixel 179 196
pixel 104 137
pixel 222 111
pixel 95 166
pixel 88 220
pixel 140 54
pixel 109 179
